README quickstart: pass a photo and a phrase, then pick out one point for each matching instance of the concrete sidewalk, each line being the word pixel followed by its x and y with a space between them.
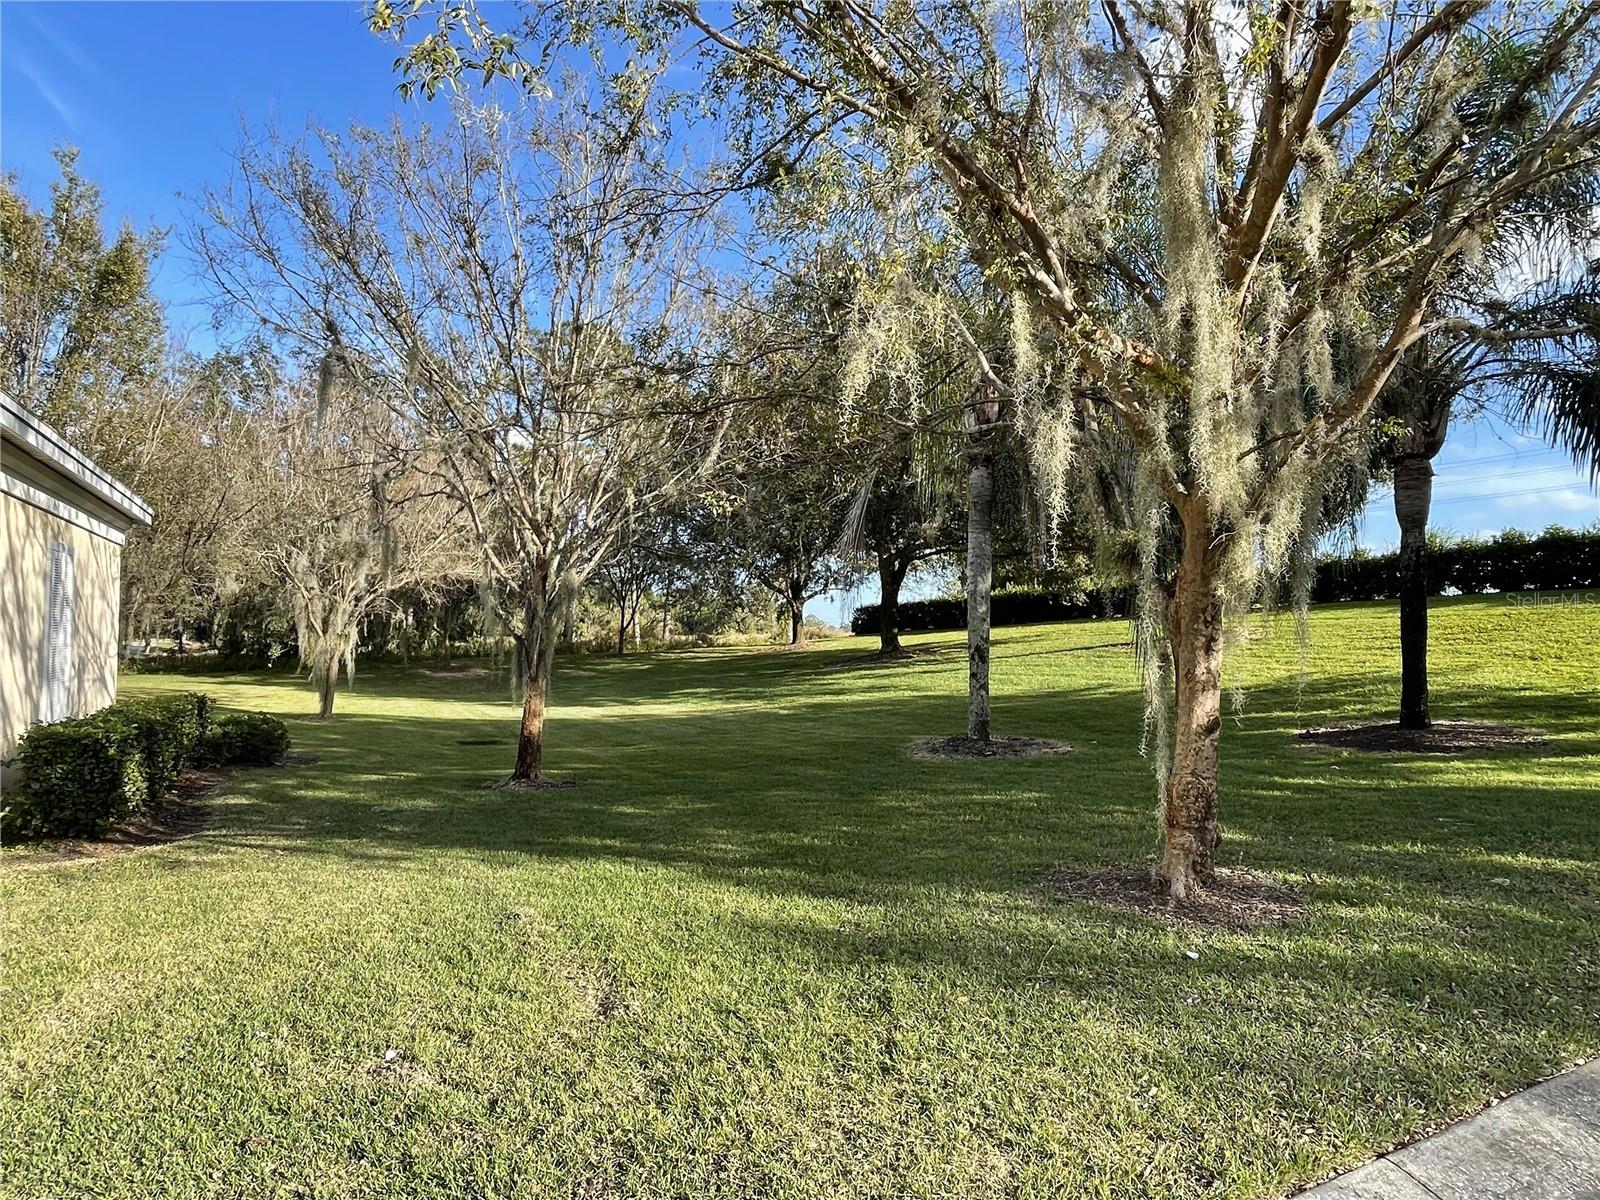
pixel 1541 1144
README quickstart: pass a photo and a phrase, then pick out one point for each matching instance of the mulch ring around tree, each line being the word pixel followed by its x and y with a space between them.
pixel 896 658
pixel 1237 899
pixel 530 785
pixel 1443 737
pixel 962 746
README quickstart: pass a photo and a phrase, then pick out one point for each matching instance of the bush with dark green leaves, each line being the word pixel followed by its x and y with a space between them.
pixel 171 728
pixel 79 776
pixel 1005 608
pixel 1557 559
pixel 245 739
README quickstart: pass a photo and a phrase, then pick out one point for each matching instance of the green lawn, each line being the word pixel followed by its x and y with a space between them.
pixel 760 953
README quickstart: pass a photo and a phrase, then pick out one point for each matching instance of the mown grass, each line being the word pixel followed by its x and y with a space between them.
pixel 761 953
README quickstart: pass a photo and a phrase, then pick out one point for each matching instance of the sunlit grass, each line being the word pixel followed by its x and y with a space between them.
pixel 759 952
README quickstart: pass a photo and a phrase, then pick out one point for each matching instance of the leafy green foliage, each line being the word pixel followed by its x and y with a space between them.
pixel 170 729
pixel 80 776
pixel 245 739
pixel 1005 608
pixel 1510 562
pixel 78 323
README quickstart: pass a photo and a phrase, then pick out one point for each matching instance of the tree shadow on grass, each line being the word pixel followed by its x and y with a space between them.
pixel 823 801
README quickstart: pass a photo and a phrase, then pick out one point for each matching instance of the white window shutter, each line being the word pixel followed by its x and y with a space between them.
pixel 58 645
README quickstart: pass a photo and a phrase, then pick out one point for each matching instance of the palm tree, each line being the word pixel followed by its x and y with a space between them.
pixel 1530 352
pixel 1535 361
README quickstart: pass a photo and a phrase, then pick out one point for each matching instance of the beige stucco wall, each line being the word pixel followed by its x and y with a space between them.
pixel 24 587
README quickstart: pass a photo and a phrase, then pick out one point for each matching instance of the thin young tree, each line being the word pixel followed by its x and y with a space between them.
pixel 519 288
pixel 343 518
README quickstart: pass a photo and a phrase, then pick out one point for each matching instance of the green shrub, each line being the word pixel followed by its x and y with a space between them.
pixel 79 776
pixel 1019 607
pixel 170 728
pixel 83 775
pixel 1511 561
pixel 245 739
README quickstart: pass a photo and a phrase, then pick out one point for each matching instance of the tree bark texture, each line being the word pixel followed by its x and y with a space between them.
pixel 537 659
pixel 1190 829
pixel 891 574
pixel 1413 496
pixel 980 578
pixel 797 619
pixel 326 669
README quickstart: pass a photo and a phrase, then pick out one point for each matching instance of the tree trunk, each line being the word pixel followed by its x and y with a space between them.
pixel 537 661
pixel 1190 831
pixel 326 672
pixel 890 576
pixel 797 620
pixel 568 635
pixel 1413 496
pixel 622 627
pixel 980 577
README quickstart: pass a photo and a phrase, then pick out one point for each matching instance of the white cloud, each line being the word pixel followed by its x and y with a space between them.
pixel 66 48
pixel 47 92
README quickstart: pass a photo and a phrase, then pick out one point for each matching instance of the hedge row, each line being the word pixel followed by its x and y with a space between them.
pixel 1005 608
pixel 1556 559
pixel 83 775
pixel 1512 561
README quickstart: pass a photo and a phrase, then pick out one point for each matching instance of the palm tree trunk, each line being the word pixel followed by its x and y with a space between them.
pixel 1413 496
pixel 980 578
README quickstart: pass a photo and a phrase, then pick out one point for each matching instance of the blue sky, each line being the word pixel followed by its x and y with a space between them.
pixel 153 95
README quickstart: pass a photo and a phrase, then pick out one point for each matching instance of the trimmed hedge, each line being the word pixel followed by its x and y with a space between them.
pixel 1555 560
pixel 171 728
pixel 245 739
pixel 1512 561
pixel 83 775
pixel 80 776
pixel 1005 608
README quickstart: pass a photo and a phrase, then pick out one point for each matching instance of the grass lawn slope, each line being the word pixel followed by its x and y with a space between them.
pixel 760 952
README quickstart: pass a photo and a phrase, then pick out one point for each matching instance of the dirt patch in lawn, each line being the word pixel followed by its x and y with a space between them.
pixel 1236 900
pixel 396 1066
pixel 463 671
pixel 180 816
pixel 962 746
pixel 900 657
pixel 1444 737
pixel 531 785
